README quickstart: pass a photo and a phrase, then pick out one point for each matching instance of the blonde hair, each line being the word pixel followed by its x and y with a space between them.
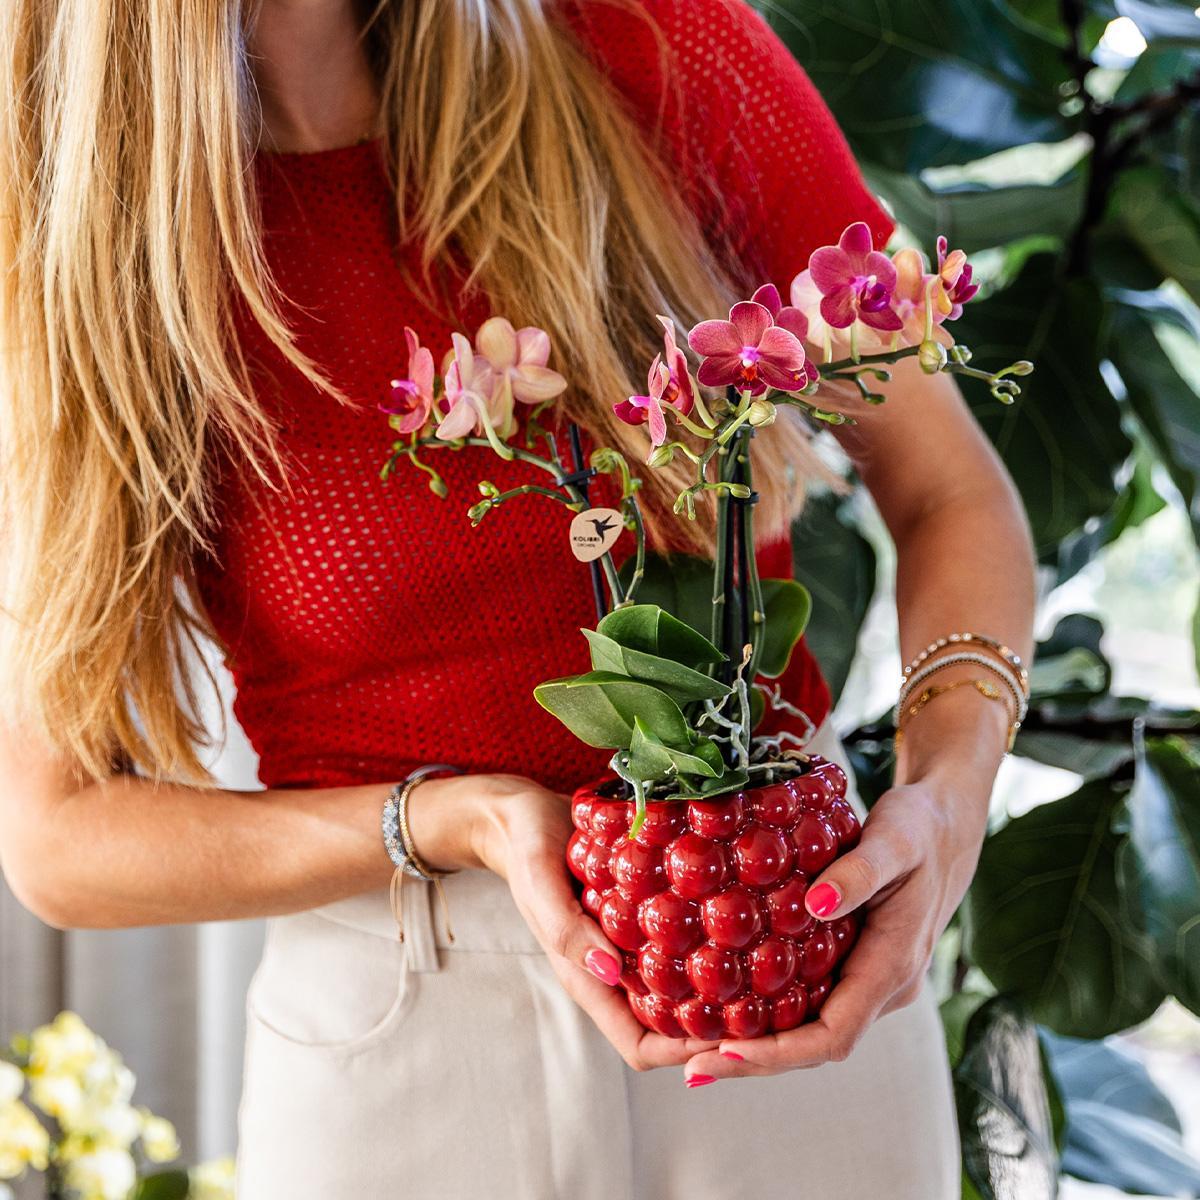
pixel 129 231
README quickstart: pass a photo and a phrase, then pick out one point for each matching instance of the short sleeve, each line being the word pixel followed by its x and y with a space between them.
pixel 762 159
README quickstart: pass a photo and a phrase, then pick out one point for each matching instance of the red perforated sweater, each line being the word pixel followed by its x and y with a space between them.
pixel 369 628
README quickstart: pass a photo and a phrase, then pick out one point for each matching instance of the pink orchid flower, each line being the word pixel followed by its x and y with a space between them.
pixel 856 281
pixel 681 391
pixel 412 398
pixel 518 358
pixel 471 401
pixel 638 410
pixel 955 276
pixel 788 317
pixel 749 352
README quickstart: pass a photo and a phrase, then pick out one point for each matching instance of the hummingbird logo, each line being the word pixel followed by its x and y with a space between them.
pixel 602 527
pixel 594 532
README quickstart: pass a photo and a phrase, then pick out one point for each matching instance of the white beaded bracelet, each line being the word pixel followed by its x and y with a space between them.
pixel 1010 656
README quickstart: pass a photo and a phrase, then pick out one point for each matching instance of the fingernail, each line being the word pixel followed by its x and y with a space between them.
pixel 734 1055
pixel 823 900
pixel 603 966
pixel 699 1080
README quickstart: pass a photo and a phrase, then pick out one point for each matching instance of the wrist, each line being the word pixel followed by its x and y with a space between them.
pixel 442 815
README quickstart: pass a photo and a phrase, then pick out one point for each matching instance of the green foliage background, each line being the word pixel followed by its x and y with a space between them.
pixel 1075 181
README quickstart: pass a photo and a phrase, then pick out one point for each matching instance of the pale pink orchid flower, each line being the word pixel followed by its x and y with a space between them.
pixel 472 388
pixel 856 281
pixel 916 290
pixel 955 277
pixel 518 357
pixel 648 409
pixel 748 352
pixel 412 398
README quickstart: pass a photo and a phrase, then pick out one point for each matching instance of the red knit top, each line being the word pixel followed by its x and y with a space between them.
pixel 368 627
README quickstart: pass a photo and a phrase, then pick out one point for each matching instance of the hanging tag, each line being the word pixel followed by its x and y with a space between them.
pixel 594 532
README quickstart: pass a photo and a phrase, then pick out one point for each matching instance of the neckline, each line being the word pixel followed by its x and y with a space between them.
pixel 325 154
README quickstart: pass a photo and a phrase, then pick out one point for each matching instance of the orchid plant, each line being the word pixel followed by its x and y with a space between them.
pixel 679 706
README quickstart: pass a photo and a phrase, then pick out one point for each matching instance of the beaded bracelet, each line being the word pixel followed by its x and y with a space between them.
pixel 397 839
pixel 955 639
pixel 967 656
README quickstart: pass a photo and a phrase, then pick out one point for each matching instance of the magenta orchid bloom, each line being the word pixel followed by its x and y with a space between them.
pixel 856 281
pixel 472 391
pixel 749 352
pixel 518 357
pixel 955 277
pixel 681 391
pixel 639 410
pixel 412 398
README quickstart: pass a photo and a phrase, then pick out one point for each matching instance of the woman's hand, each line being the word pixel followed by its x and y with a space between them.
pixel 918 852
pixel 520 831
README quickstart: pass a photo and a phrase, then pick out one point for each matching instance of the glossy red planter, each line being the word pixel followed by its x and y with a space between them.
pixel 707 902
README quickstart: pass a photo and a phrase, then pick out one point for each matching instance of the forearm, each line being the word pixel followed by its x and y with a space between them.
pixel 129 852
pixel 966 566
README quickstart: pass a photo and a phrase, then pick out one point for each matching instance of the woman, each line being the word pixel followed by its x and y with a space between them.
pixel 217 223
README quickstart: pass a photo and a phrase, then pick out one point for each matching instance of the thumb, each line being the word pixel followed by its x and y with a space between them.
pixel 878 860
pixel 566 930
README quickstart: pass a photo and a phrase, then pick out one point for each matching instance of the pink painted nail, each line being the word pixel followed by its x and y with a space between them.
pixel 823 900
pixel 699 1080
pixel 603 966
pixel 734 1055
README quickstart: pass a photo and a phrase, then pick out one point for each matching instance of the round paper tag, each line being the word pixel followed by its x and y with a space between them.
pixel 595 531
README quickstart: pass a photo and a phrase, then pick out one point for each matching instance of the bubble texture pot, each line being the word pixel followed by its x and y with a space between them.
pixel 707 902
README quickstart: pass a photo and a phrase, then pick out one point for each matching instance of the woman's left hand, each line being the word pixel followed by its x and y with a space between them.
pixel 918 852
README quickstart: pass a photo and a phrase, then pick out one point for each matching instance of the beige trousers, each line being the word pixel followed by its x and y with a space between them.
pixel 377 1070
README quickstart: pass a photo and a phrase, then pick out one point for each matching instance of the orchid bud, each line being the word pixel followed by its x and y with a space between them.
pixel 478 511
pixel 437 485
pixel 762 414
pixel 739 491
pixel 1024 367
pixel 488 488
pixel 932 356
pixel 661 456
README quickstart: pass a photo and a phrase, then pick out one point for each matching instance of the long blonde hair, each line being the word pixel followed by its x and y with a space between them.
pixel 128 231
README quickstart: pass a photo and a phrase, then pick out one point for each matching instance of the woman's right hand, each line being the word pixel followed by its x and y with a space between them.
pixel 520 830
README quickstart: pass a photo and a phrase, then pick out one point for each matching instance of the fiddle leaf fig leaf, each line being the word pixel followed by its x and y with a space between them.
pixel 1046 917
pixel 679 681
pixel 1163 870
pixel 600 708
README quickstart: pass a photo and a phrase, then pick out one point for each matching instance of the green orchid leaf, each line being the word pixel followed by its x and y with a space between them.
pixel 787 606
pixel 732 780
pixel 651 629
pixel 678 681
pixel 162 1185
pixel 1003 1109
pixel 1163 868
pixel 600 708
pixel 650 759
pixel 1047 920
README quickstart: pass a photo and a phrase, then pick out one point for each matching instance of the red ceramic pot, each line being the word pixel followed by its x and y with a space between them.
pixel 707 902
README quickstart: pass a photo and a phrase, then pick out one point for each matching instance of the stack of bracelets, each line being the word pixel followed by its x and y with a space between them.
pixel 397 839
pixel 1008 680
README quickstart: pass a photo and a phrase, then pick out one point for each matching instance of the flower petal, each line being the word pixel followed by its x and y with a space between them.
pixel 856 239
pixel 750 321
pixel 794 321
pixel 497 342
pixel 464 361
pixel 839 309
pixel 420 370
pixel 830 268
pixel 460 421
pixel 885 318
pixel 534 385
pixel 533 346
pixel 781 378
pixel 714 337
pixel 658 423
pixel 768 297
pixel 633 410
pixel 781 348
pixel 720 371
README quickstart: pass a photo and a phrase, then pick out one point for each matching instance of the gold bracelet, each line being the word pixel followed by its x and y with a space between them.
pixel 984 687
pixel 955 640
